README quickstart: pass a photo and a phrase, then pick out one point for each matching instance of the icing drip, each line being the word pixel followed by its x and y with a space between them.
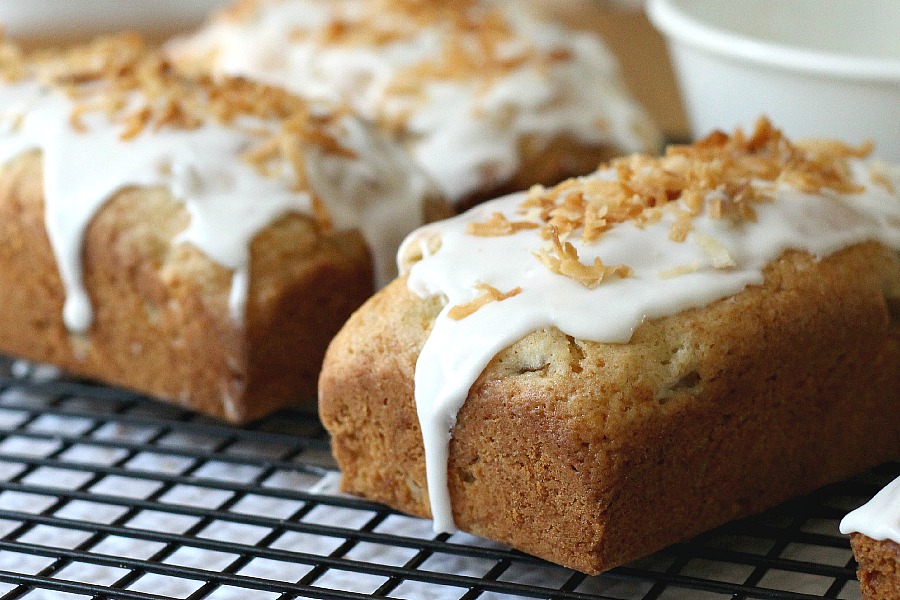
pixel 228 199
pixel 666 277
pixel 82 170
pixel 879 518
pixel 465 123
pixel 350 184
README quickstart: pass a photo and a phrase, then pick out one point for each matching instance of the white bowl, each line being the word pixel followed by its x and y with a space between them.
pixel 68 20
pixel 816 67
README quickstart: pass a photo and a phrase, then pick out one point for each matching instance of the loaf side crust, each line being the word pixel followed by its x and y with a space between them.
pixel 879 567
pixel 591 455
pixel 161 323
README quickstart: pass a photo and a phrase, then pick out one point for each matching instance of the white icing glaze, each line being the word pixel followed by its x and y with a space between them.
pixel 879 518
pixel 349 185
pixel 229 202
pixel 456 352
pixel 467 130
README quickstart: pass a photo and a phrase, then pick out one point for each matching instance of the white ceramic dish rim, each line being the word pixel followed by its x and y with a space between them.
pixel 689 30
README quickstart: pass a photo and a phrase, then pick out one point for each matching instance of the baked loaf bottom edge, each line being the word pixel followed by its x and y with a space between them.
pixel 590 455
pixel 161 318
pixel 879 567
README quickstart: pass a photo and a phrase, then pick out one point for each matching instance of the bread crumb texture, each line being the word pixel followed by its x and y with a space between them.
pixel 879 567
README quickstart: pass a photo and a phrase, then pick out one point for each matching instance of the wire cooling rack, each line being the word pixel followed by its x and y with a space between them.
pixel 106 494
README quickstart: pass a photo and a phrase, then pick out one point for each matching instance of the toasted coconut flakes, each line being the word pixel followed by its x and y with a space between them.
pixel 490 294
pixel 648 216
pixel 715 208
pixel 748 213
pixel 138 90
pixel 595 222
pixel 478 43
pixel 562 259
pixel 723 176
pixel 14 122
pixel 684 222
pixel 395 122
pixel 536 191
pixel 830 147
pixel 498 225
pixel 260 157
pixel 135 123
pixel 106 74
pixel 717 253
pixel 880 175
pixel 76 117
pixel 693 200
pixel 315 136
pixel 320 213
pixel 679 271
pixel 13 66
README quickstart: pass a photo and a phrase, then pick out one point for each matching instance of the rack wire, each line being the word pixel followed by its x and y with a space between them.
pixel 106 494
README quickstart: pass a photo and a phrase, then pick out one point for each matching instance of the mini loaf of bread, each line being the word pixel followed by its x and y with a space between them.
pixel 874 530
pixel 592 372
pixel 490 96
pixel 197 241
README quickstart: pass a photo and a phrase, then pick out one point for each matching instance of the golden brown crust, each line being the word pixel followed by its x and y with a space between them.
pixel 162 324
pixel 591 455
pixel 879 567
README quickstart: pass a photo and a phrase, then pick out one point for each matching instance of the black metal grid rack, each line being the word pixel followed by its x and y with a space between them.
pixel 105 494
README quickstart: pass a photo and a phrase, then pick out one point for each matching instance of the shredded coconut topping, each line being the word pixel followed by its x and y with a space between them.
pixel 490 294
pixel 12 61
pixel 562 259
pixel 720 174
pixel 724 176
pixel 237 155
pixel 472 88
pixel 139 89
pixel 880 173
pixel 482 41
pixel 499 225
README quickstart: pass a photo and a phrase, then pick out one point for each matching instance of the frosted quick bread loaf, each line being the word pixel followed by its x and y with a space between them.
pixel 198 241
pixel 490 96
pixel 594 371
pixel 874 530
